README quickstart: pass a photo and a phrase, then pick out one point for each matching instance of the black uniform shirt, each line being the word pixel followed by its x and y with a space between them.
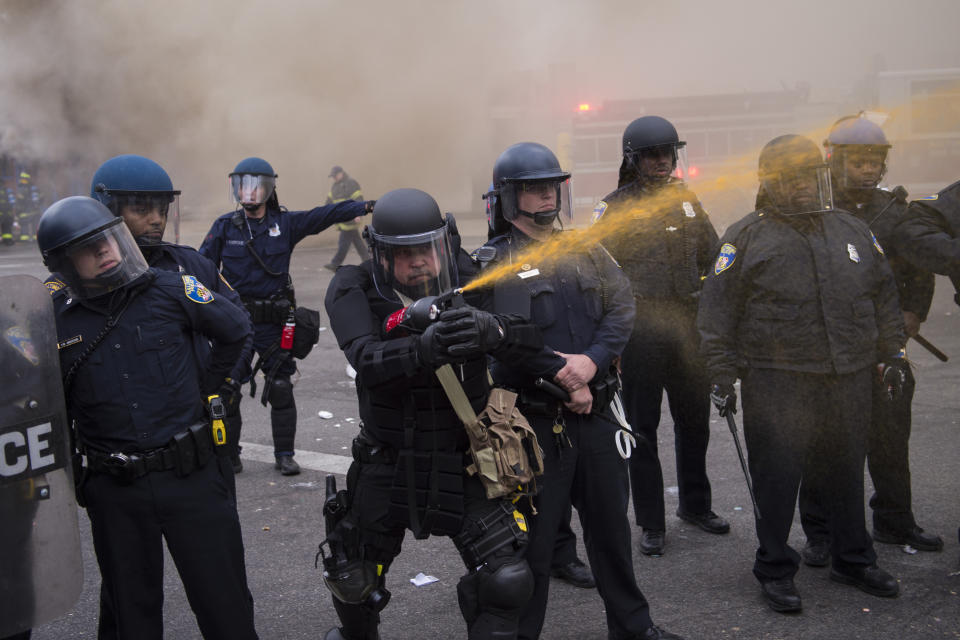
pixel 581 303
pixel 663 239
pixel 805 293
pixel 882 212
pixel 274 237
pixel 140 385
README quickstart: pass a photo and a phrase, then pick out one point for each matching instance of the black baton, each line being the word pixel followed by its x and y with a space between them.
pixel 926 344
pixel 743 463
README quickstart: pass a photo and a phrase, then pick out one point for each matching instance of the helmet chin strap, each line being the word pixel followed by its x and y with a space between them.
pixel 542 218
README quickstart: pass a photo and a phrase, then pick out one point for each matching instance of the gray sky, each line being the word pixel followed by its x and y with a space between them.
pixel 399 91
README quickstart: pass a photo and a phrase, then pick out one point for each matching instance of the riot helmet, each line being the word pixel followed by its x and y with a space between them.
pixel 138 190
pixel 528 181
pixel 253 182
pixel 91 249
pixel 793 176
pixel 410 243
pixel 857 153
pixel 653 152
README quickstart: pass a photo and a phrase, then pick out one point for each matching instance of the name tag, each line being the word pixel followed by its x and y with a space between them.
pixel 529 274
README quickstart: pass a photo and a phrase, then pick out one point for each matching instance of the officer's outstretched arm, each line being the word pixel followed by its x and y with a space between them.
pixel 305 223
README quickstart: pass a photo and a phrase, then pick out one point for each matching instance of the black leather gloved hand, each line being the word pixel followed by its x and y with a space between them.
pixel 724 398
pixel 429 350
pixel 894 377
pixel 368 206
pixel 230 392
pixel 467 332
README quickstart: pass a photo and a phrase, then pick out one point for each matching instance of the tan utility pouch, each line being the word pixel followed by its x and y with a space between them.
pixel 503 445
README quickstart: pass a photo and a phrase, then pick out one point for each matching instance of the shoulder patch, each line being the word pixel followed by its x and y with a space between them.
pixel 876 243
pixel 688 210
pixel 728 254
pixel 598 211
pixel 195 291
pixel 54 285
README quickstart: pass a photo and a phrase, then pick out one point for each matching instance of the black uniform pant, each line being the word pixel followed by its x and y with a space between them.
pixel 592 475
pixel 371 485
pixel 814 427
pixel 18 508
pixel 888 459
pixel 348 238
pixel 197 517
pixel 283 407
pixel 649 369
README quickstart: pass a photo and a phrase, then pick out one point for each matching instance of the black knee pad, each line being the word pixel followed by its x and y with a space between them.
pixel 281 393
pixel 502 591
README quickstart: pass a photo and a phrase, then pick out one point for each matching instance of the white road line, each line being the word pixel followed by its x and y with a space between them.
pixel 325 462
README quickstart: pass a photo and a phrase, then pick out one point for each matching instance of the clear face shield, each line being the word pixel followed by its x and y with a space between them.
pixel 147 214
pixel 413 266
pixel 660 164
pixel 543 200
pixel 102 262
pixel 858 167
pixel 801 190
pixel 251 191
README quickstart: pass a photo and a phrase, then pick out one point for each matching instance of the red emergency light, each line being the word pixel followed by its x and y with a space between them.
pixel 693 171
pixel 584 106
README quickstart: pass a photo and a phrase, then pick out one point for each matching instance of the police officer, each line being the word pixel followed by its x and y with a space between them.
pixel 408 470
pixel 582 304
pixel 857 152
pixel 343 188
pixel 253 246
pixel 135 392
pixel 29 206
pixel 800 305
pixel 929 236
pixel 664 241
pixel 8 202
pixel 139 190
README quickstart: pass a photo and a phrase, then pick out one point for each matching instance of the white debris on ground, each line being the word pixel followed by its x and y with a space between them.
pixel 351 372
pixel 420 579
pixel 326 415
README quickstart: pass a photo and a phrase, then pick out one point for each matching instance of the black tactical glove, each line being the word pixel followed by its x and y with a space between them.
pixel 467 332
pixel 894 377
pixel 429 350
pixel 368 206
pixel 724 398
pixel 230 392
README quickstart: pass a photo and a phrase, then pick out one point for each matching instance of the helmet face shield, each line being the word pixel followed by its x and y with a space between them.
pixel 100 262
pixel 856 167
pixel 659 163
pixel 544 200
pixel 800 190
pixel 251 190
pixel 413 266
pixel 147 213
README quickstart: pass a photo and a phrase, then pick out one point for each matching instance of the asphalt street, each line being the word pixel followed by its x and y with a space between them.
pixel 701 588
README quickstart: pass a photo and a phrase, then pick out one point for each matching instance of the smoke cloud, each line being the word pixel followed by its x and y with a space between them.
pixel 419 93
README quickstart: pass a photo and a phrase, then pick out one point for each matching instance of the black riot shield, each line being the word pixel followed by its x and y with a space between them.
pixel 41 573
